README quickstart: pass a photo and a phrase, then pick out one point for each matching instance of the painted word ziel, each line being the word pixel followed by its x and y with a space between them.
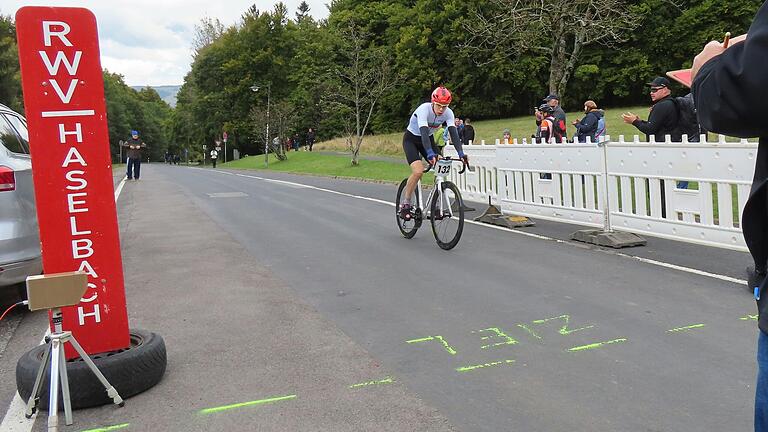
pixel 71 166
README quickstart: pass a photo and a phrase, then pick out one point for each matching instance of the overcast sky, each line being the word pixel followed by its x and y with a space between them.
pixel 149 41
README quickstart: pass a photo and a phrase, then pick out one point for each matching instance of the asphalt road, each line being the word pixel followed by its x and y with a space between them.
pixel 264 287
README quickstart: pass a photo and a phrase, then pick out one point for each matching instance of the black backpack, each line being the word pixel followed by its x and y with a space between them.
pixel 687 119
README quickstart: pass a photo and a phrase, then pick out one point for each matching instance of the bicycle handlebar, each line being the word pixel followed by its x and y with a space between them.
pixel 464 166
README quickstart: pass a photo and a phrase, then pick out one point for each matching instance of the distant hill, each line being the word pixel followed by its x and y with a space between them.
pixel 167 93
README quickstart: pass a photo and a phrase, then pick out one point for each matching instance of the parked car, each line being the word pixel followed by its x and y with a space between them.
pixel 19 236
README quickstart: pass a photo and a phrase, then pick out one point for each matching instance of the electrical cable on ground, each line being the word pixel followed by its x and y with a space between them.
pixel 11 308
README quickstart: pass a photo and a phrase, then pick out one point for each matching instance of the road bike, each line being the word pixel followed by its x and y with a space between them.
pixel 445 209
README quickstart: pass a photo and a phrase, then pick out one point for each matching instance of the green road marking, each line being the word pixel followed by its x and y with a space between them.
pixel 499 333
pixel 420 340
pixel 447 347
pixel 108 428
pixel 679 329
pixel 387 380
pixel 525 327
pixel 245 404
pixel 483 366
pixel 564 330
pixel 749 318
pixel 595 345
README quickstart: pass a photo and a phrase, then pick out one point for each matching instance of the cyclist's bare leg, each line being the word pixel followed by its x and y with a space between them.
pixel 417 170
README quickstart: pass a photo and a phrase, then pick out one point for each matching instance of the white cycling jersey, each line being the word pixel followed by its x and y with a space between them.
pixel 425 116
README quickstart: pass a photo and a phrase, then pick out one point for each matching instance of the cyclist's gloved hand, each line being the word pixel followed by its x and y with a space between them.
pixel 464 157
pixel 431 157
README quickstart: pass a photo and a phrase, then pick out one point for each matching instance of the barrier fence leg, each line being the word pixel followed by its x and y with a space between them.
pixel 607 236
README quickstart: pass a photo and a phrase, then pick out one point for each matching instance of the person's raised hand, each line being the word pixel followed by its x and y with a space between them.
pixel 629 118
pixel 710 51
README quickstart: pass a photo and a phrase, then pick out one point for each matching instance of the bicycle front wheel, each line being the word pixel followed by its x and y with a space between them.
pixel 408 226
pixel 446 213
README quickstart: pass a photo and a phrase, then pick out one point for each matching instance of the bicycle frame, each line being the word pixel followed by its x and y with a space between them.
pixel 445 206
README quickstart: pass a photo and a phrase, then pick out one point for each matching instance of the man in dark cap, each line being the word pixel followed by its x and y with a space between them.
pixel 663 118
pixel 726 82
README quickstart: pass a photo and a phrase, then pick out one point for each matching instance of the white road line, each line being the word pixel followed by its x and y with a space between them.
pixel 532 235
pixel 14 419
pixel 119 188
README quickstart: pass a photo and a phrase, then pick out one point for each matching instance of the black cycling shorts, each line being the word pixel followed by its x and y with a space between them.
pixel 413 148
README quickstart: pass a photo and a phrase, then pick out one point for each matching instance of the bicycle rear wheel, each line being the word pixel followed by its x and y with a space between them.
pixel 407 227
pixel 447 215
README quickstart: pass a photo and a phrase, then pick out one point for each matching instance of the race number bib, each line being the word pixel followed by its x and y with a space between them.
pixel 443 168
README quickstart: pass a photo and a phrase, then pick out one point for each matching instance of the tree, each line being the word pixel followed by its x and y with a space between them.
pixel 559 29
pixel 302 12
pixel 361 76
pixel 10 80
pixel 207 32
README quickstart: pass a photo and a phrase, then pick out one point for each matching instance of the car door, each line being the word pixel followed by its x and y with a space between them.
pixel 19 237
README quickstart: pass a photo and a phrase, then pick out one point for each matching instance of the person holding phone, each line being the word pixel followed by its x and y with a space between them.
pixel 727 82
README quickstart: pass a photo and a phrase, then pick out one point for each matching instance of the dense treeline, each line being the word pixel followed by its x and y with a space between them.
pixel 427 42
pixel 127 109
pixel 295 62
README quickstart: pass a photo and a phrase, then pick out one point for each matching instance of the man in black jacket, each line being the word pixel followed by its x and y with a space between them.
pixel 469 132
pixel 663 118
pixel 726 81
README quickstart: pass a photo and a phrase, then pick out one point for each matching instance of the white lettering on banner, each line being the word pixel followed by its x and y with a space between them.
pixel 75 113
pixel 82 245
pixel 71 66
pixel 86 267
pixel 72 203
pixel 73 156
pixel 78 132
pixel 73 227
pixel 65 98
pixel 91 298
pixel 71 177
pixel 62 34
pixel 62 79
pixel 82 315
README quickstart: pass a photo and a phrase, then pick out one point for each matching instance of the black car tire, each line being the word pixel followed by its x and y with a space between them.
pixel 130 371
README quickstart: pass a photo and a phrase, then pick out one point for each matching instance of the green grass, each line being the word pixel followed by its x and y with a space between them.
pixel 328 165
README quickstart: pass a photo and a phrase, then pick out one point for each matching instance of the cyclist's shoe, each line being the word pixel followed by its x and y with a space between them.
pixel 405 212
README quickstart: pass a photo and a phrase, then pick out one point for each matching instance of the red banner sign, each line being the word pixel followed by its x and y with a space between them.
pixel 71 167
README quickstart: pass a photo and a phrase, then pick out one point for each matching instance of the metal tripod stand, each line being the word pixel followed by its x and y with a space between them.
pixel 55 353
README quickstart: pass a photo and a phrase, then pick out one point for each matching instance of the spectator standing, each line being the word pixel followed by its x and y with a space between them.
pixel 545 132
pixel 469 132
pixel 663 118
pixel 662 121
pixel 310 138
pixel 725 82
pixel 506 137
pixel 296 142
pixel 559 131
pixel 135 145
pixel 588 126
pixel 441 136
pixel 459 128
pixel 214 156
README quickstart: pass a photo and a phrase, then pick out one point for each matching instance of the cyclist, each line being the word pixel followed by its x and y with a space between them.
pixel 419 141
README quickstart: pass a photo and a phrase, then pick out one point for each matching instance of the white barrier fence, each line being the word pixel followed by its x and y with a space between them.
pixel 645 184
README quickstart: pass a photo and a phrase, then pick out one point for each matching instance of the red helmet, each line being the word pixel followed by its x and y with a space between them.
pixel 442 96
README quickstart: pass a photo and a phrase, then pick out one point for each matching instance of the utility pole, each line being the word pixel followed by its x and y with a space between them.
pixel 256 88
